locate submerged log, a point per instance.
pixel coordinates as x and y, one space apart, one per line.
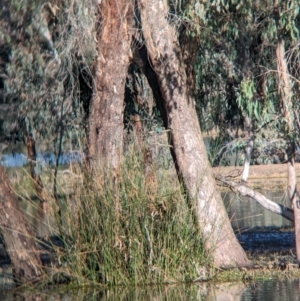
258 197
17 236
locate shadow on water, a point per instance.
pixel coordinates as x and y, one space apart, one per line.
238 291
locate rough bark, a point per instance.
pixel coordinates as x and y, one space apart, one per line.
259 198
191 158
106 111
17 236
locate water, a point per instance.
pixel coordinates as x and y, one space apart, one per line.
274 290
246 214
271 290
44 159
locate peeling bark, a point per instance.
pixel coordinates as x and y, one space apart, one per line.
191 158
106 111
17 236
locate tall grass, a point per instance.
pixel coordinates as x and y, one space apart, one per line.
132 233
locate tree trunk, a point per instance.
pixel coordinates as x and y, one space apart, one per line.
17 236
186 138
31 152
107 107
284 89
294 194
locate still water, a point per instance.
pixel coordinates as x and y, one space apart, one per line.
271 290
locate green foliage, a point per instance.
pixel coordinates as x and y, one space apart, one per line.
246 101
237 65
49 77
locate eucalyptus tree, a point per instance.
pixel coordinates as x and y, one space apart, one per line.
284 20
236 78
256 49
172 77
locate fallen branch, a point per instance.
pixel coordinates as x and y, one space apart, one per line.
258 197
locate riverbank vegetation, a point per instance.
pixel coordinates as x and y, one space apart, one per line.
144 233
106 77
154 242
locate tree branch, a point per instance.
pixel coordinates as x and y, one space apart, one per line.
258 197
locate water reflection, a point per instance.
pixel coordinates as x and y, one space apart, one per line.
271 290
227 291
274 290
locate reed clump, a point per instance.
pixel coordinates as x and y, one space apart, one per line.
130 231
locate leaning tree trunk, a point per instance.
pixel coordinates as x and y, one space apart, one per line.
186 138
107 107
17 236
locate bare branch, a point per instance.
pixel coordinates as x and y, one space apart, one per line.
258 197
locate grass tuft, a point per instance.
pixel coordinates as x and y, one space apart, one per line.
131 233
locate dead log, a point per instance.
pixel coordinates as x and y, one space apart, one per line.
17 236
258 197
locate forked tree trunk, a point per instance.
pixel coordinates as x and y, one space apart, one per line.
107 107
17 236
165 54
